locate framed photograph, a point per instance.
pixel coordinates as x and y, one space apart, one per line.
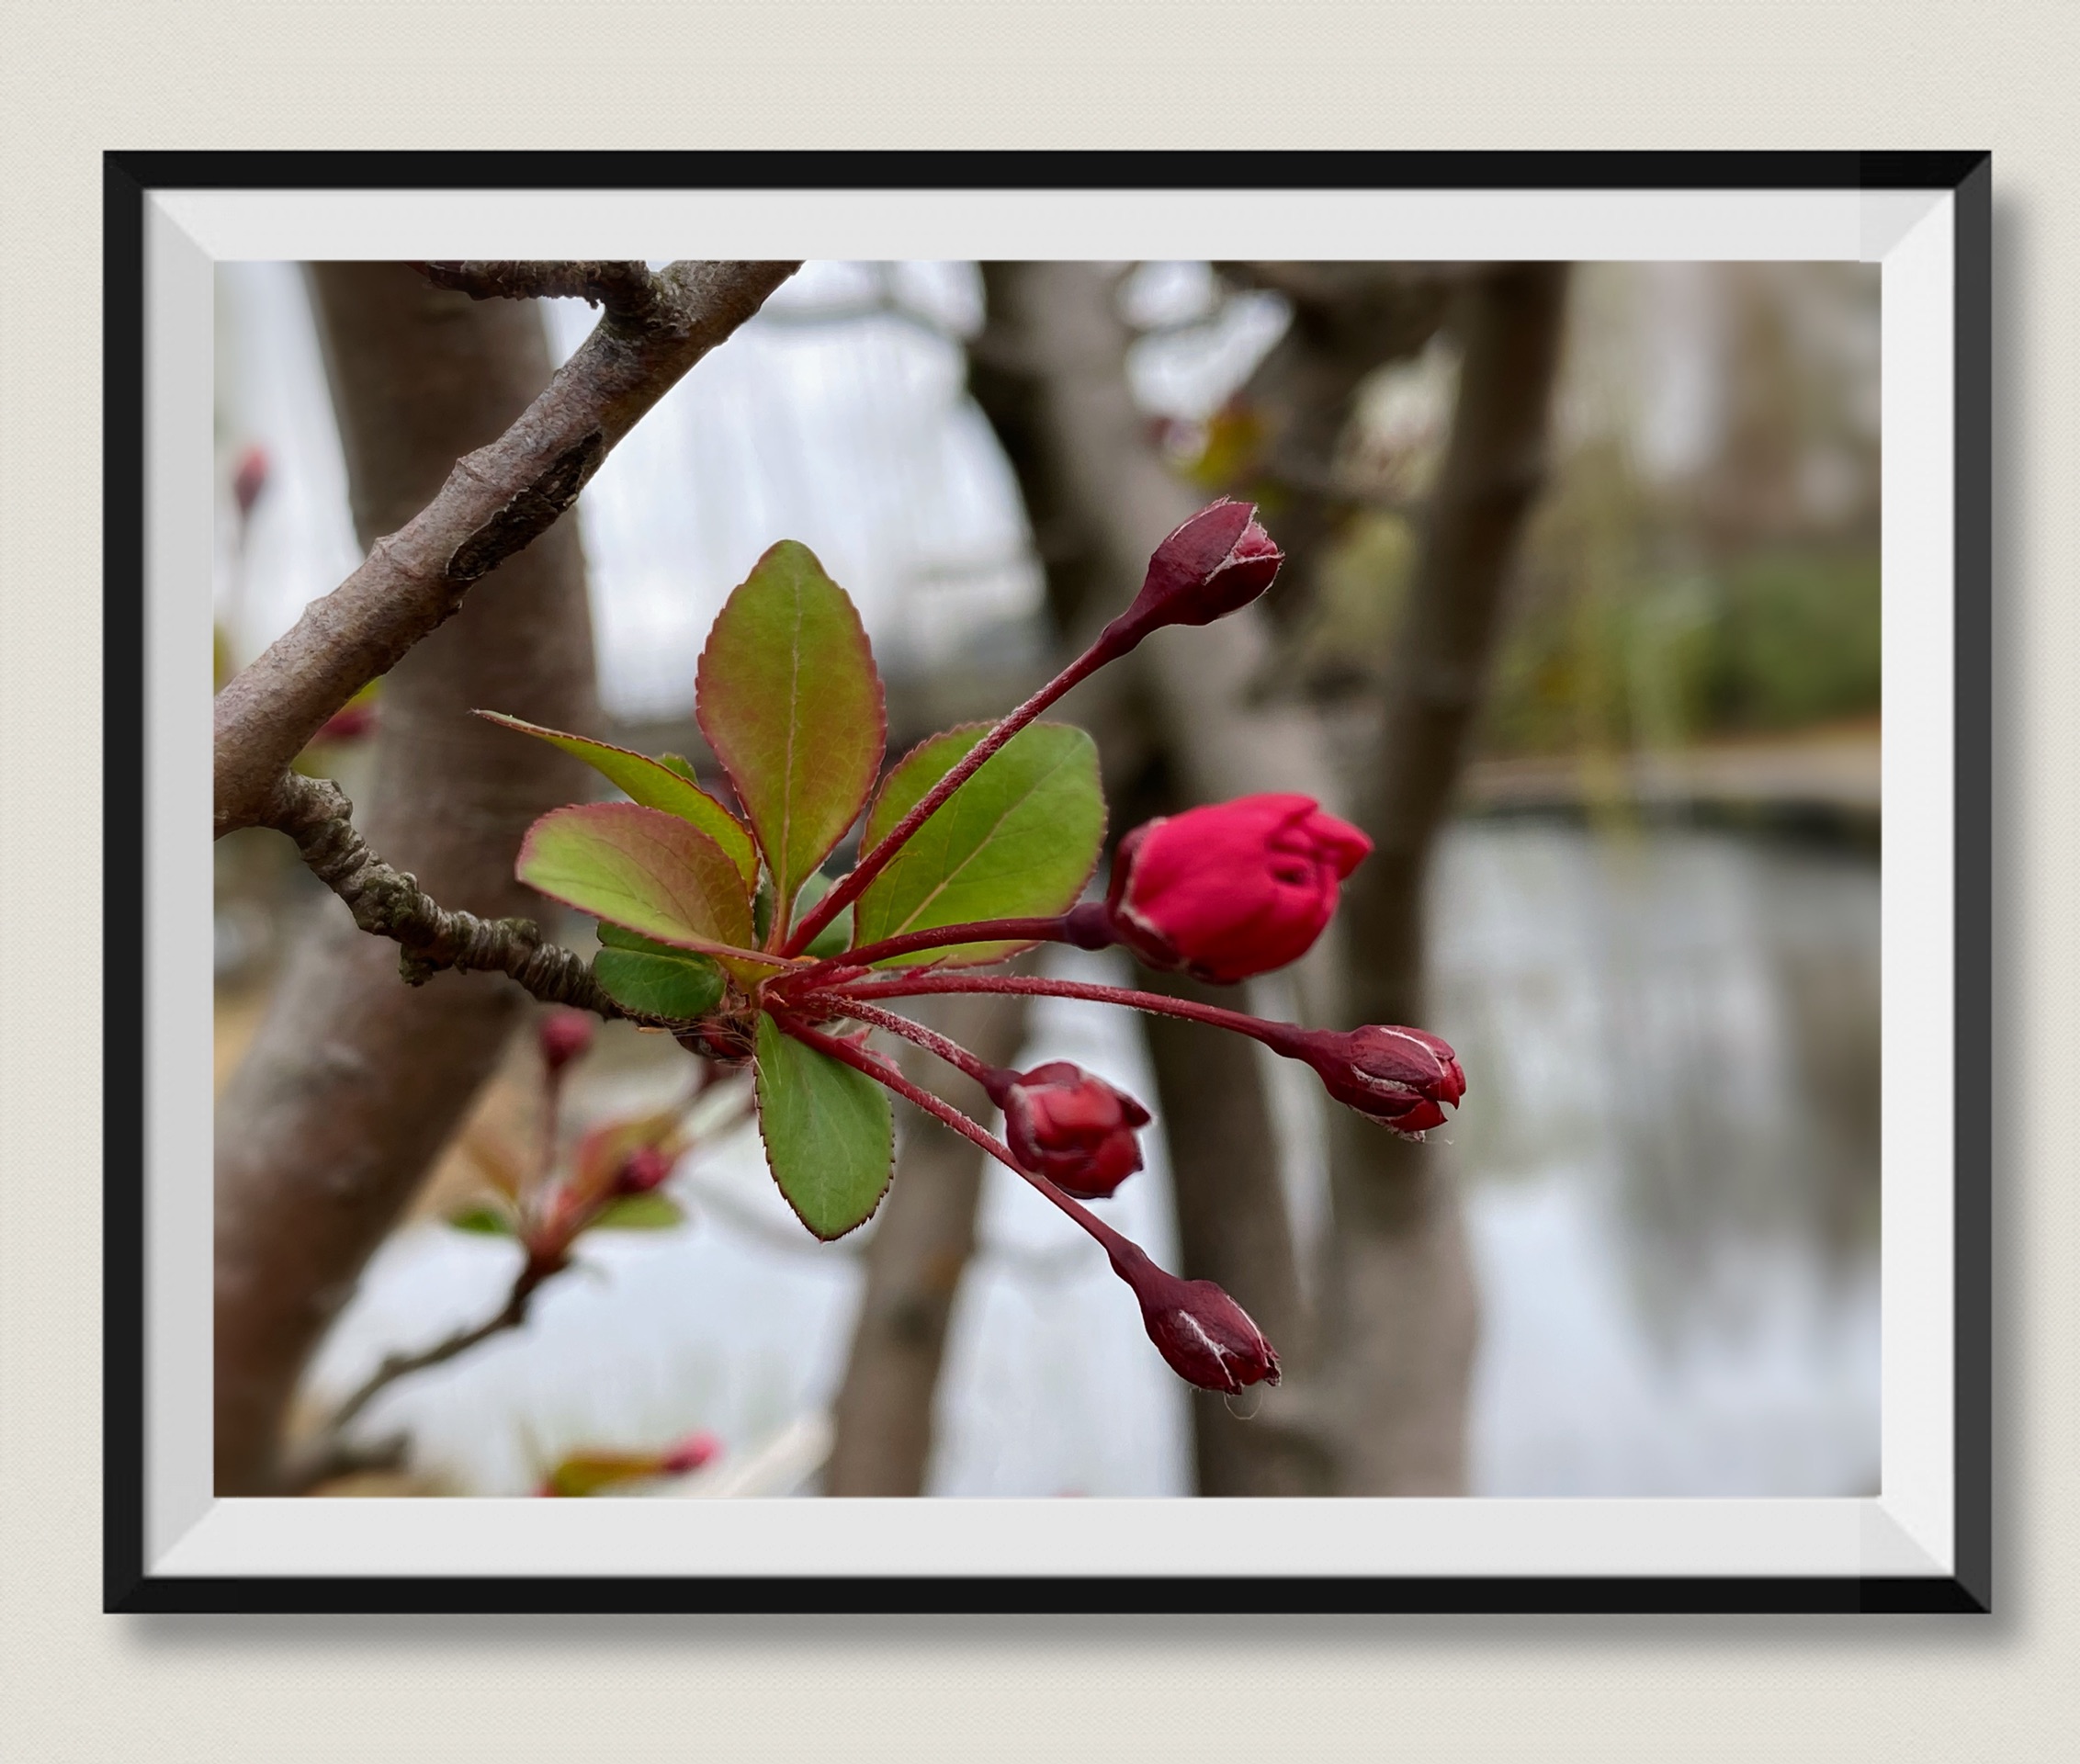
1459 1088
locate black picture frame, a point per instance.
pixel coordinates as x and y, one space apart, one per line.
130 177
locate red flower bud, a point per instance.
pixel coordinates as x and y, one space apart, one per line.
1399 1077
249 478
690 1453
1207 1338
349 723
1072 1128
1218 561
563 1035
642 1169
1233 890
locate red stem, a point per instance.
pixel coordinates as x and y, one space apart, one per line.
931 1040
857 1058
873 863
1275 1035
978 931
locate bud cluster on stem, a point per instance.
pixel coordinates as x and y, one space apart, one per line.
1206 1337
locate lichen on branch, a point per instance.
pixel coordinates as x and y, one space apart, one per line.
386 902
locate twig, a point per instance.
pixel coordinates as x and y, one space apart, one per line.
400 1365
331 1455
316 814
495 501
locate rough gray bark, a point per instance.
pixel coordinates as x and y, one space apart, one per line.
920 1243
1175 724
492 501
1400 1296
356 1081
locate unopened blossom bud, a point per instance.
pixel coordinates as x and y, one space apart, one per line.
1401 1077
1218 561
1072 1128
564 1035
249 478
642 1169
1233 890
349 723
1208 1338
690 1453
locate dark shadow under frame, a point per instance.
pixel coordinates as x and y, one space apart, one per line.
126 1585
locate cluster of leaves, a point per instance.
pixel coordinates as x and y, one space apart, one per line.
701 910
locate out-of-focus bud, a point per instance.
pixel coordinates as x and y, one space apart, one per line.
645 1167
1401 1077
1208 1338
1218 561
1233 890
691 1453
1072 1128
249 478
564 1035
349 723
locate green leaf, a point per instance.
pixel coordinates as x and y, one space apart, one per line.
1018 840
639 1212
791 704
666 784
640 869
484 1219
656 980
830 1134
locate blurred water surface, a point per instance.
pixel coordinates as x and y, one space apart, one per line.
1670 1156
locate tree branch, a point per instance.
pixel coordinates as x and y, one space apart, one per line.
495 501
629 292
386 902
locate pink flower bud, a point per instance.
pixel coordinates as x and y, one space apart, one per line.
690 1453
249 478
1072 1128
1233 890
642 1169
1400 1077
564 1037
1207 1338
349 723
1218 561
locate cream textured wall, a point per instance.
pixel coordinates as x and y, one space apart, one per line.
75 1685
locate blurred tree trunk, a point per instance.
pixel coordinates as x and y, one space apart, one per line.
356 1081
1176 725
1348 321
921 1245
1400 1302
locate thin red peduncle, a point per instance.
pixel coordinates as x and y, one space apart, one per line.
931 1040
1275 1036
979 930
